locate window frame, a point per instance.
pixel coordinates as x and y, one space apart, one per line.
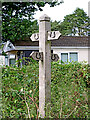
6 60
14 58
69 55
10 61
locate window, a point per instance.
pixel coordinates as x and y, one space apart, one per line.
12 61
6 60
64 57
71 56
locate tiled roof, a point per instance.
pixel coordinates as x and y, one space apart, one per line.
72 41
77 41
26 43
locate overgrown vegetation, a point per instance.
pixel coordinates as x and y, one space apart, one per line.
17 19
69 91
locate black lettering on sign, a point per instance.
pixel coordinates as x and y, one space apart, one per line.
52 34
54 57
38 55
36 36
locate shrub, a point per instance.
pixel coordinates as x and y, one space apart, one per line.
69 90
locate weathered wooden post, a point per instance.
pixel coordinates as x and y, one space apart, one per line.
44 56
45 65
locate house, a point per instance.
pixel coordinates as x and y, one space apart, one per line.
68 48
2 58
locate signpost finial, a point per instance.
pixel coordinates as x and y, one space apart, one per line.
44 18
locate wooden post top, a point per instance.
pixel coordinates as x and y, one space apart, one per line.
44 18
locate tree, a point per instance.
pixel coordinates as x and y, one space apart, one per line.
74 24
18 21
55 25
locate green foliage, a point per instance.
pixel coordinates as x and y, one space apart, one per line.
20 91
73 24
18 21
69 90
55 25
69 83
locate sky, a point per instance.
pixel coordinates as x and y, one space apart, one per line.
66 8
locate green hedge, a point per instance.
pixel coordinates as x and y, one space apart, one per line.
69 90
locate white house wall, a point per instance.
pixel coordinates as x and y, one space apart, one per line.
82 52
12 53
2 60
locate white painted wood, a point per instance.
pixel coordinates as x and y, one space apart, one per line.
2 60
54 57
35 37
52 35
8 46
37 55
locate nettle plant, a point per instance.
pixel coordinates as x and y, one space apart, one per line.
69 90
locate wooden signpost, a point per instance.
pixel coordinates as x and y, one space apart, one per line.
44 56
39 56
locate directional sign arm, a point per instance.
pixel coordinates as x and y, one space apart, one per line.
52 35
35 37
54 57
37 55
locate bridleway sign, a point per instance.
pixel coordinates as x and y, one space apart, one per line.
39 56
45 57
53 35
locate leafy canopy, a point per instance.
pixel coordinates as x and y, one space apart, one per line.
18 21
73 24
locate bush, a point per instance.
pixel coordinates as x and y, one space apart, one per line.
69 90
